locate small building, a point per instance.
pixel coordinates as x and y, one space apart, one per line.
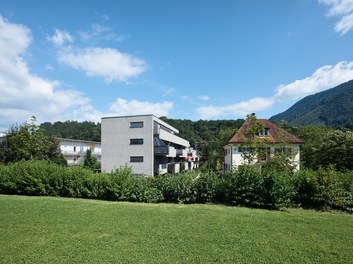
145 143
74 151
273 139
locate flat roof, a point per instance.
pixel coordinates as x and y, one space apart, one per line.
79 140
151 115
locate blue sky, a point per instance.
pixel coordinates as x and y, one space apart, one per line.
82 60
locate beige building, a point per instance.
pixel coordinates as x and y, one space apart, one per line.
274 139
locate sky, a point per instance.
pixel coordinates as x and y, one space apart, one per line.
198 59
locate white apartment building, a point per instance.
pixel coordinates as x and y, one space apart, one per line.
147 144
74 151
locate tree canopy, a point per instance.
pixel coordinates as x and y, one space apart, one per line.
28 142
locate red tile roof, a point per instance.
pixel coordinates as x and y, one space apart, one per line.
276 134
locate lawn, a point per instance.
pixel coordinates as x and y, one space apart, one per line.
64 230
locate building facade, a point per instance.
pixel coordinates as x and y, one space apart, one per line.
147 144
272 139
74 151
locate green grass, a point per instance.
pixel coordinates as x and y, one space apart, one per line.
64 230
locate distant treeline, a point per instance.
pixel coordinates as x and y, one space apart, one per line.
85 130
197 132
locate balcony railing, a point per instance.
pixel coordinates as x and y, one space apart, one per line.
167 151
171 152
71 152
182 153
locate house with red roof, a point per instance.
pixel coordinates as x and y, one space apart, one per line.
270 137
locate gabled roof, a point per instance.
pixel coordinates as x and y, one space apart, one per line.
276 134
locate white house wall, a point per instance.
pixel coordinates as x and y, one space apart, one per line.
234 158
296 150
74 151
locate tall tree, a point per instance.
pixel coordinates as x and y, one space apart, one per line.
252 145
90 162
26 142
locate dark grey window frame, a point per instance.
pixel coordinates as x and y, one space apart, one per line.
135 159
136 141
136 124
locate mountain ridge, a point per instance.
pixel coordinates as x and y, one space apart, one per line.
333 107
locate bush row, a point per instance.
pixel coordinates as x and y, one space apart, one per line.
324 188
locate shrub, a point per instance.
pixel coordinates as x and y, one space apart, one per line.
121 184
244 187
28 177
324 188
145 191
207 187
278 190
177 188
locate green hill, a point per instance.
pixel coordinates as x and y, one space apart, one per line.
333 107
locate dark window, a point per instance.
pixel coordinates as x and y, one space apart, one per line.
264 133
136 158
136 141
136 124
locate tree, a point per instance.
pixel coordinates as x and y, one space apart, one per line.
90 162
27 142
314 136
336 150
252 145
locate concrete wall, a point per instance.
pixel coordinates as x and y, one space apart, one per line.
116 148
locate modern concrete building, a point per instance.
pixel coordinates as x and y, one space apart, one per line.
147 144
74 151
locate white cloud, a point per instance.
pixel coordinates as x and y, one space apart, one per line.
23 94
48 67
322 79
343 9
238 109
99 32
110 64
204 97
134 107
14 39
61 37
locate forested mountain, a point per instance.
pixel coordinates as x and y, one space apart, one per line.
333 107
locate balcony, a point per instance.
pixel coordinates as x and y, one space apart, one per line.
169 137
166 151
162 168
182 153
160 150
171 152
174 167
79 152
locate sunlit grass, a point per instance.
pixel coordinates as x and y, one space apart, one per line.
63 230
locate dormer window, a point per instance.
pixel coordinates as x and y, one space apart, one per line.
264 133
